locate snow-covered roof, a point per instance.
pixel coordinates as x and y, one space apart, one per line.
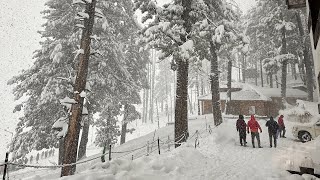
276 92
246 95
250 92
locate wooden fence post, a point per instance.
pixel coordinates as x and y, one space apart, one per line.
5 166
110 152
159 145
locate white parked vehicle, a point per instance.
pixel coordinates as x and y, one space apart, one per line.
306 132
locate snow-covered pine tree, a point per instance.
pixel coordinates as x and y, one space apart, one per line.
122 63
79 90
216 27
170 32
42 83
115 58
307 58
107 126
129 114
271 66
270 27
163 85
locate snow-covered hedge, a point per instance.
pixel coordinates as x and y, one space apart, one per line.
302 112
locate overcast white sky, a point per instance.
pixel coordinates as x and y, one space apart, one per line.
19 22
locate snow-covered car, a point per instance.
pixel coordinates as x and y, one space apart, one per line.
306 132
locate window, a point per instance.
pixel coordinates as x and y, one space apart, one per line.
296 3
252 110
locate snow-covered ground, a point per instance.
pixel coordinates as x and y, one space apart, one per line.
218 156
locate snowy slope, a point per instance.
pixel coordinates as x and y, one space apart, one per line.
219 156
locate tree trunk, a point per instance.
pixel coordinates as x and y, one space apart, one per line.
72 137
190 102
84 138
167 99
256 77
123 132
306 58
198 94
144 106
61 150
103 159
215 85
277 83
271 80
109 136
302 72
227 104
147 95
124 124
294 71
261 73
158 119
181 108
244 66
284 62
152 86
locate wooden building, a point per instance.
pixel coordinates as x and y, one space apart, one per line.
252 100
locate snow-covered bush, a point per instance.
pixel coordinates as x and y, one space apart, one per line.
298 113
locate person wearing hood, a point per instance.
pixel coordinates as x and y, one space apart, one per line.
272 130
241 128
253 127
282 127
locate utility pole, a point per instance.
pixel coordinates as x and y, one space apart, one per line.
72 137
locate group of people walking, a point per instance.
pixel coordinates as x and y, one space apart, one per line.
253 126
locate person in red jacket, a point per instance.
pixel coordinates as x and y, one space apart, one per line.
254 126
282 127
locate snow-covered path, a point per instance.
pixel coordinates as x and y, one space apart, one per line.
218 157
226 159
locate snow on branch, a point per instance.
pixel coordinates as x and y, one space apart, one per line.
284 57
98 13
94 52
56 54
78 2
83 94
83 15
61 125
218 35
287 25
88 87
67 100
95 37
78 52
80 26
186 49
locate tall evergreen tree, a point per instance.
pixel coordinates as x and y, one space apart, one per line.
116 68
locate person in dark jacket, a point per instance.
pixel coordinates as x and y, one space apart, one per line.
272 130
241 128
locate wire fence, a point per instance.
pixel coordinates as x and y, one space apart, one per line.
162 144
